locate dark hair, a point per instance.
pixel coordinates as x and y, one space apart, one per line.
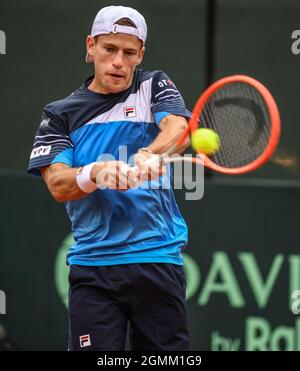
125 22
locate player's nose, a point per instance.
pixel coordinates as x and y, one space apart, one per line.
118 61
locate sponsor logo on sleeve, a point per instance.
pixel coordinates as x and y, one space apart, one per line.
40 151
44 123
163 83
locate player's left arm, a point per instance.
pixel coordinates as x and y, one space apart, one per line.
171 128
170 115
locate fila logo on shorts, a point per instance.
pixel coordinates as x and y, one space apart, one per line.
129 112
85 341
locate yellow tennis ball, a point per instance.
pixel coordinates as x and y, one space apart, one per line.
205 141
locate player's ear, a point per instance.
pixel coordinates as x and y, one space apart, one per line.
90 45
141 55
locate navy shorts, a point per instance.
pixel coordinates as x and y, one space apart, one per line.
149 296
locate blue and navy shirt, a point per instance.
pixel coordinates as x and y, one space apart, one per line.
141 225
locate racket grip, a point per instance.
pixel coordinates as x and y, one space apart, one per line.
134 171
131 171
162 159
124 168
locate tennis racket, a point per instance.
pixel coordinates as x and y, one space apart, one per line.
245 115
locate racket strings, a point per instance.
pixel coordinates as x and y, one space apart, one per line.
239 114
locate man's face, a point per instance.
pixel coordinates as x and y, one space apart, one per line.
115 58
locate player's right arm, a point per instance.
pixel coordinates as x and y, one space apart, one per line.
52 158
61 182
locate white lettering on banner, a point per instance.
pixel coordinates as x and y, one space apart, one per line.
2 42
295 48
295 302
2 302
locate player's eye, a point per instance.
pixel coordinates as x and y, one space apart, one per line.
109 50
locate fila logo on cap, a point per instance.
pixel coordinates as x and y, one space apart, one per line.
129 111
85 341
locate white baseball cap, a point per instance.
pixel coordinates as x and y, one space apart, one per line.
105 23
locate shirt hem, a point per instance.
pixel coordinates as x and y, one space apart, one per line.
122 262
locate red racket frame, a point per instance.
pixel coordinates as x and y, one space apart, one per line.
274 119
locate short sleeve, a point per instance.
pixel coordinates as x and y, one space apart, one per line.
51 144
166 98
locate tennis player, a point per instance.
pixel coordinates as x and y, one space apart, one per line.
126 264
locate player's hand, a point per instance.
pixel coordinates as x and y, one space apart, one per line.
113 175
149 165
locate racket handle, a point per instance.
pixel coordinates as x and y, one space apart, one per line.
133 171
162 159
124 168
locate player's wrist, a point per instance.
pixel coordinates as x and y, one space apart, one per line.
85 179
143 154
146 150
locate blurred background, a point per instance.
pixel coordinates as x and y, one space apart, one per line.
243 259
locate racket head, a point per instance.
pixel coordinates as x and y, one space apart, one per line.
245 101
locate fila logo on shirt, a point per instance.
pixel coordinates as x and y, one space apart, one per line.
85 341
129 111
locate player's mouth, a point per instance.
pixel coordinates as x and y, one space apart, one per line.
116 76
